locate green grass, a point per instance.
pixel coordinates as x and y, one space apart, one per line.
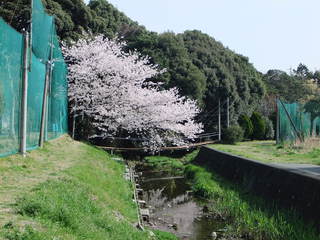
68 190
164 235
268 151
247 215
175 165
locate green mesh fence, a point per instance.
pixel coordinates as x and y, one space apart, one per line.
11 48
42 31
316 127
58 100
295 123
45 48
35 98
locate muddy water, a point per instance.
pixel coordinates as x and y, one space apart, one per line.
172 206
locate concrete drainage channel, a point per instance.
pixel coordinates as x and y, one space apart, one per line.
142 209
167 204
129 175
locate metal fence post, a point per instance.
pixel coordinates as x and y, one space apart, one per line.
24 97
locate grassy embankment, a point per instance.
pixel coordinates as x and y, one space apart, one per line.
68 190
245 215
268 151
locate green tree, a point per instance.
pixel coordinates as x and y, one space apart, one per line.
198 65
269 132
292 88
232 134
246 124
302 71
313 107
259 126
16 13
227 75
107 19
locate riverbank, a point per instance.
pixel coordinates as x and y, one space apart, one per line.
68 190
244 215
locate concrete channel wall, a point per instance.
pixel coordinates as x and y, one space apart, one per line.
288 187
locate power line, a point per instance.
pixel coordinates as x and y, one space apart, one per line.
208 114
216 114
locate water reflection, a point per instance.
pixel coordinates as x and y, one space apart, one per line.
173 208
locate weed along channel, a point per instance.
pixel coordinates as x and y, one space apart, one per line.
179 196
167 204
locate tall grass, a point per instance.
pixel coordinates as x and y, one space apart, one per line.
88 200
247 216
174 165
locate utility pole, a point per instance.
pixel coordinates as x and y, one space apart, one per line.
24 97
228 113
219 121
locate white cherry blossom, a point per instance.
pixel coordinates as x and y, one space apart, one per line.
110 86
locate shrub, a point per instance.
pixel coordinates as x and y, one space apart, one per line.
232 134
269 134
259 126
246 124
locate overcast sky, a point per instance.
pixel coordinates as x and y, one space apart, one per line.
274 34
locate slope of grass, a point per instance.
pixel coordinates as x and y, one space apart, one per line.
246 215
68 190
268 151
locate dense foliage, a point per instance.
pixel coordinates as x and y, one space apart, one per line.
269 131
204 69
259 126
233 134
246 124
198 65
72 18
228 74
300 85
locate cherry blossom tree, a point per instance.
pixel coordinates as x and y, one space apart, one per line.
111 87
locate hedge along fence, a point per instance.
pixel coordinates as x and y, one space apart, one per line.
289 188
45 49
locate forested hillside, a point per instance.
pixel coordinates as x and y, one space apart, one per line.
197 64
300 84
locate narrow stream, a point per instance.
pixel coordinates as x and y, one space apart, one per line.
172 206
